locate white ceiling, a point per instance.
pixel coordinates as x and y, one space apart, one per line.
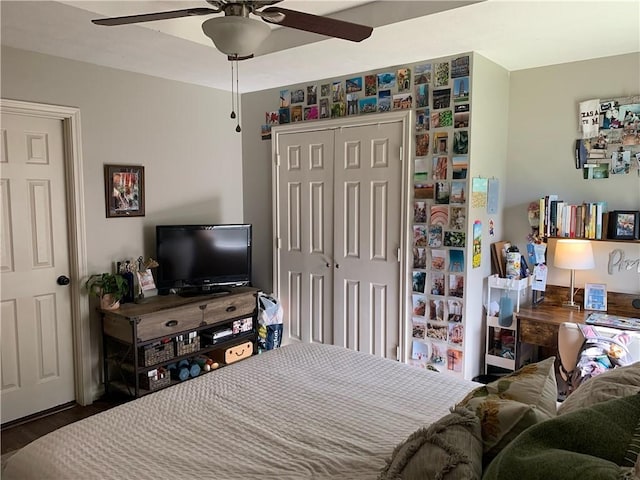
516 34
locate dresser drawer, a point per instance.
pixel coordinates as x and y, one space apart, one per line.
225 308
169 323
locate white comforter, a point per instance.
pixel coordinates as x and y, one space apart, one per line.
301 411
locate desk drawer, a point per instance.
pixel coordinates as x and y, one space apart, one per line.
168 323
225 308
542 334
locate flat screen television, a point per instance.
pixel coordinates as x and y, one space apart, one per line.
201 259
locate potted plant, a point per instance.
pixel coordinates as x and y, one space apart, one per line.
108 287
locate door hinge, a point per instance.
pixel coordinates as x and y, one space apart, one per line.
277 159
398 353
401 153
277 242
398 254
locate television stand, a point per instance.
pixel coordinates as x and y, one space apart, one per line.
196 292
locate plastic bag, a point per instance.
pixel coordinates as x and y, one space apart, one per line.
270 318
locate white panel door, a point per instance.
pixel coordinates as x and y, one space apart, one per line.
367 237
304 228
36 324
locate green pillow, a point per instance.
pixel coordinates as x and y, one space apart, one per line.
592 443
449 449
513 403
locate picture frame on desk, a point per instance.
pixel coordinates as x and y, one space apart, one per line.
623 225
595 297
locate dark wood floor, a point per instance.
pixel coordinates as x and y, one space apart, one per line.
17 435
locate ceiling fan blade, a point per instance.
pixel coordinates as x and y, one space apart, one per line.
322 25
150 17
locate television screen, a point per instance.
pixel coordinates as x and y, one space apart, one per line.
202 257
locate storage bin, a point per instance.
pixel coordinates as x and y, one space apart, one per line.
155 353
233 354
187 346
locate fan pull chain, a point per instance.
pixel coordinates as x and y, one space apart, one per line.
233 113
238 129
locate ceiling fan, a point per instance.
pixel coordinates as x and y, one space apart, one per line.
237 34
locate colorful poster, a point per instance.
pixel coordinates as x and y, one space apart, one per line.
479 187
492 196
477 243
590 118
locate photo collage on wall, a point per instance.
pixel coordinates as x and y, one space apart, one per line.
440 206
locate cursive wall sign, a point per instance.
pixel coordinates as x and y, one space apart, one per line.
619 263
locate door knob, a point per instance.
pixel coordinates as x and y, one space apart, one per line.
63 280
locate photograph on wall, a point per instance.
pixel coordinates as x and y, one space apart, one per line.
386 81
265 132
124 190
422 144
610 115
461 142
419 327
440 164
436 308
630 116
435 119
418 281
352 104
477 244
284 115
402 101
459 166
438 353
441 98
419 305
456 285
460 67
454 360
421 165
324 108
456 260
438 259
424 190
454 310
439 215
454 239
422 95
403 76
419 211
419 257
457 218
595 171
442 193
384 100
420 351
456 333
296 113
368 105
437 331
458 193
445 118
589 118
434 236
311 113
479 189
440 143
461 89
271 118
441 74
285 98
493 196
422 120
354 84
312 94
422 74
297 96
420 177
370 85
338 110
461 116
419 235
337 92
325 89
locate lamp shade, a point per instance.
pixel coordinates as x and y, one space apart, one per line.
574 255
235 35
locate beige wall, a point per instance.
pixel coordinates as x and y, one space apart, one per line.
179 132
543 126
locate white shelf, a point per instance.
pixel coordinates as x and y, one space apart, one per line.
495 323
501 362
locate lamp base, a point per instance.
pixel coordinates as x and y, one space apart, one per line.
571 304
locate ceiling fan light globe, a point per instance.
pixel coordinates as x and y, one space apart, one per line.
236 36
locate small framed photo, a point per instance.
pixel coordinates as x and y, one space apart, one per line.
124 190
595 297
624 225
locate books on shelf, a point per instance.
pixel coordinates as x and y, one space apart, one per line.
559 218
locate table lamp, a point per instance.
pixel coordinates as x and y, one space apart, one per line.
572 254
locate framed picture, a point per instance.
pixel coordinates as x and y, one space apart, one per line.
595 297
124 190
624 225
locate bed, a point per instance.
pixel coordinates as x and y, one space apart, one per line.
301 411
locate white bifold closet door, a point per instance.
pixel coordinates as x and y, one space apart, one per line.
338 214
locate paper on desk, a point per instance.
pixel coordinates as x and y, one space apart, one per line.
539 278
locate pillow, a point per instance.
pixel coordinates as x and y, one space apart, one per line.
449 449
616 383
592 443
512 403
